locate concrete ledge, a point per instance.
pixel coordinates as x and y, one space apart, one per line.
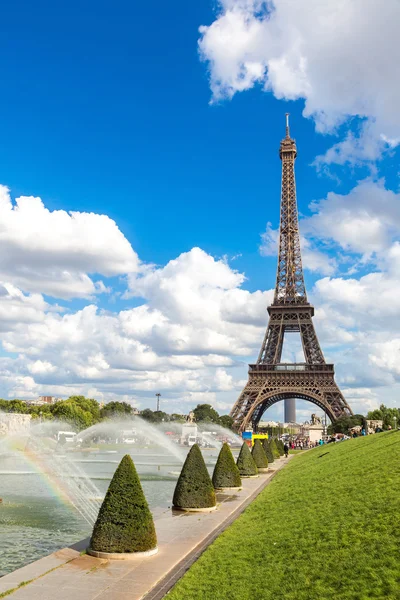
198 510
122 555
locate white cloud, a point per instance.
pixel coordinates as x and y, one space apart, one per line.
365 221
54 252
182 341
339 56
194 347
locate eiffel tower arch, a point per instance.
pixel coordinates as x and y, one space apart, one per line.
270 380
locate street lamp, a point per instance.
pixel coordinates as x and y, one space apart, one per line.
395 421
158 402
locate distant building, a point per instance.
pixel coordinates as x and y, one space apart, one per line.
42 400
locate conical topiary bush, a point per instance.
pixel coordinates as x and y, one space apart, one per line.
245 462
274 449
125 523
260 458
268 451
194 489
226 474
279 445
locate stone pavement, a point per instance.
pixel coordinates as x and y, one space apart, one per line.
182 537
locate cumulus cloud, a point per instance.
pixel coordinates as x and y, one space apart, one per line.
338 56
182 340
364 221
197 327
54 252
191 349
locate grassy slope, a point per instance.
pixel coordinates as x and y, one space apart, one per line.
327 527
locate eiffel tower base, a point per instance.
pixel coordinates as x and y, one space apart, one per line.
269 384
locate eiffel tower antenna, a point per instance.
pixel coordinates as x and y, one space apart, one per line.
270 380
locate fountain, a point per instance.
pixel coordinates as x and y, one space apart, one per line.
53 481
39 448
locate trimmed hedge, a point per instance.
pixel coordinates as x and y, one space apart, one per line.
194 488
260 458
274 448
280 447
226 474
245 462
268 451
125 523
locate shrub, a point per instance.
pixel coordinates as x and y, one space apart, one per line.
226 474
280 447
274 448
268 451
245 462
125 523
194 488
260 458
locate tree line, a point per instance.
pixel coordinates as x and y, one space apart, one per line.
80 412
390 418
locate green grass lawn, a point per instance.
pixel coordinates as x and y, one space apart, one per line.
327 527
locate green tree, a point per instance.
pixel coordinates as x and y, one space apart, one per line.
260 458
40 412
14 406
245 462
343 424
279 445
177 418
194 488
226 473
268 451
116 410
88 405
226 421
148 415
274 448
72 414
125 523
385 414
206 413
156 416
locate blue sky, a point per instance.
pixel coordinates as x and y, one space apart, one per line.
118 111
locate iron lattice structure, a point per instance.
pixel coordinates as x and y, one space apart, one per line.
270 380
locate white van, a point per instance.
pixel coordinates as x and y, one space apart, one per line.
69 436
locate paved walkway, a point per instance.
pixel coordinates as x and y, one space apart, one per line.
182 537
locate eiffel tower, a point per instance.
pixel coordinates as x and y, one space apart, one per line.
270 380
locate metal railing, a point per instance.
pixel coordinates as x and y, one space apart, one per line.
292 367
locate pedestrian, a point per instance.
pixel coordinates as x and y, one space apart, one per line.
286 449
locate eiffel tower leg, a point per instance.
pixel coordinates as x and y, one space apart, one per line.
271 350
245 402
337 403
312 349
